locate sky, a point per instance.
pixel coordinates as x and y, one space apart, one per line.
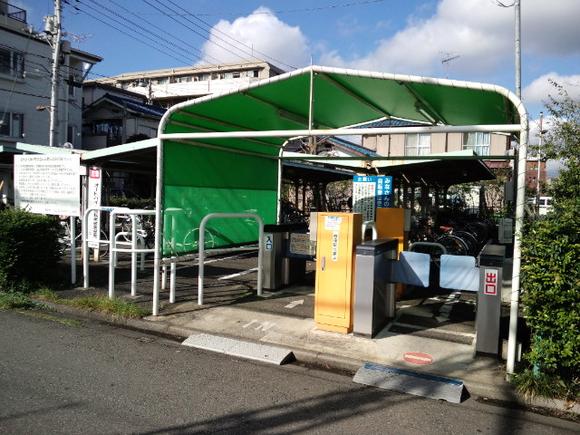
459 39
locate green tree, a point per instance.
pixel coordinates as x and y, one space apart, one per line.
551 264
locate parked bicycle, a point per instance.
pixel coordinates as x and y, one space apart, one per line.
65 238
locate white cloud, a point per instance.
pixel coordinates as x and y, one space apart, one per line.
479 31
262 33
540 89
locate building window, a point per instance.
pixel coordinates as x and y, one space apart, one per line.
236 75
478 142
11 124
418 144
71 85
71 134
11 63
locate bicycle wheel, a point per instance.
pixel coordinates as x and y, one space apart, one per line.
469 240
453 244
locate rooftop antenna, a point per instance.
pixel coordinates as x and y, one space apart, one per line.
446 59
79 38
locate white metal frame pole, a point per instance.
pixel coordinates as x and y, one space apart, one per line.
73 250
112 254
158 218
279 188
85 250
517 260
134 255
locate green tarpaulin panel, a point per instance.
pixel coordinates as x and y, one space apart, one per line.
199 181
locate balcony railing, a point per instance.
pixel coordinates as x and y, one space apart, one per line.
12 11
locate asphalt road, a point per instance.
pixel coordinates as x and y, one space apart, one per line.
61 376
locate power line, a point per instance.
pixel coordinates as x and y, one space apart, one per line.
123 32
152 36
185 43
192 29
62 75
217 32
25 93
289 11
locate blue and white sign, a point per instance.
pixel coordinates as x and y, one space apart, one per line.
370 192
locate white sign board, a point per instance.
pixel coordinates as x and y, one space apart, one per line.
370 192
94 200
48 184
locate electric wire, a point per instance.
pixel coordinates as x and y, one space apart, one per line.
182 41
124 32
290 11
194 30
152 36
216 32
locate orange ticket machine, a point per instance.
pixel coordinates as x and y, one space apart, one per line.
337 237
394 223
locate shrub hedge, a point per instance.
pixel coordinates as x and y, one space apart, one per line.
29 250
551 297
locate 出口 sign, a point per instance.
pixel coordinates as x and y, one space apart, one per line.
47 184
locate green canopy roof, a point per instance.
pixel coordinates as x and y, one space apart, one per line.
321 99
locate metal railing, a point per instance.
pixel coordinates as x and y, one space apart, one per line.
12 11
133 249
201 245
113 248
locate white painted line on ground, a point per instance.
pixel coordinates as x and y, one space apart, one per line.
230 257
249 323
261 326
443 331
294 304
234 275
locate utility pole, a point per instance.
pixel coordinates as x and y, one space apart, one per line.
539 162
519 183
56 33
518 53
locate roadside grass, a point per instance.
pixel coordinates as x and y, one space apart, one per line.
16 300
98 303
103 304
531 384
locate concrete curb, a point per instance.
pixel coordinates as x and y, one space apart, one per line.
325 361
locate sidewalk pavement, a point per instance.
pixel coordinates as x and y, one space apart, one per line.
285 319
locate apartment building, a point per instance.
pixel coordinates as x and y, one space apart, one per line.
25 83
422 144
169 86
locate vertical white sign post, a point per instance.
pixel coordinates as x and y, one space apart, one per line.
94 200
49 184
